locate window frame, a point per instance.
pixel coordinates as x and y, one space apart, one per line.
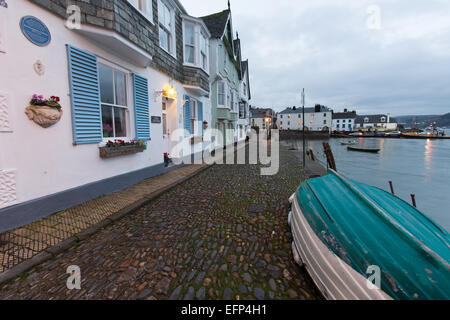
147 15
128 93
185 44
201 59
172 32
219 93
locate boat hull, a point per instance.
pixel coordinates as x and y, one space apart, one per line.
335 279
363 150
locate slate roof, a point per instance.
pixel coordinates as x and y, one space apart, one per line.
307 110
344 115
261 113
375 118
216 23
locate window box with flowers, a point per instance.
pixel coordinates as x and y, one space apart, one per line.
118 148
44 112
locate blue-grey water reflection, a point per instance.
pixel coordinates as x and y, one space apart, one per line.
420 167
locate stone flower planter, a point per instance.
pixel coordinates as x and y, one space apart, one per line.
108 152
44 116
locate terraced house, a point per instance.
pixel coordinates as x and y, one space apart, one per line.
225 76
127 78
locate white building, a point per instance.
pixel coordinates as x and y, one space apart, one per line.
243 123
113 83
378 122
318 118
344 121
262 118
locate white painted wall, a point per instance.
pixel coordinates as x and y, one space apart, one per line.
313 121
349 124
44 160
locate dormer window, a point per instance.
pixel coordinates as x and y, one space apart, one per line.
383 119
366 120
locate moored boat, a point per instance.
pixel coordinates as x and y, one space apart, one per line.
348 143
373 150
343 230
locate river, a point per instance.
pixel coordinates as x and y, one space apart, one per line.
420 167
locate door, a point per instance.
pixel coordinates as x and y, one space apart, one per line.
165 125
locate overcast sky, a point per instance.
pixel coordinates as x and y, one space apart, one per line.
342 54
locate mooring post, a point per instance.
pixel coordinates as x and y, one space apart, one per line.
311 153
413 198
392 187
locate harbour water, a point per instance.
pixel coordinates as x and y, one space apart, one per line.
420 167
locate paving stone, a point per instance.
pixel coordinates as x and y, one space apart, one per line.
273 284
228 294
201 294
259 293
246 277
176 293
190 294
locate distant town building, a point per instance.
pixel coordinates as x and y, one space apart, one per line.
243 124
344 121
318 118
379 122
262 118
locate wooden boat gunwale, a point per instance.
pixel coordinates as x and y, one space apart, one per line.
372 150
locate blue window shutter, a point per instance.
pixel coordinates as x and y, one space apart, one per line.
85 96
141 108
200 118
187 114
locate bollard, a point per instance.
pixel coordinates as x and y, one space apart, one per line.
413 198
392 187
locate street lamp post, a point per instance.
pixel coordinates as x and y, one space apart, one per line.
304 140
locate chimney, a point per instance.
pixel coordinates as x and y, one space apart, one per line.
388 118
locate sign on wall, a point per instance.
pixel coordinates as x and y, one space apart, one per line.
156 119
35 31
3 4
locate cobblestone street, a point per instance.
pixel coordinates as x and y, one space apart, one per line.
221 235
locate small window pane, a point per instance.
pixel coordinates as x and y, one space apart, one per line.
221 95
120 123
106 84
163 39
107 118
190 54
190 38
121 90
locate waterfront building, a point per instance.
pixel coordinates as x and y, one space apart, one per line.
262 118
245 97
133 70
344 121
318 118
378 122
224 77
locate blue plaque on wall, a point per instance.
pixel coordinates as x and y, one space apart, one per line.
35 31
